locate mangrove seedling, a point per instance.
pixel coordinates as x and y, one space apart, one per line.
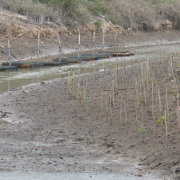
73 82
162 112
142 130
163 118
140 99
169 75
87 99
158 121
99 107
80 96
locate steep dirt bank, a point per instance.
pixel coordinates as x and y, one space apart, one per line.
23 48
23 32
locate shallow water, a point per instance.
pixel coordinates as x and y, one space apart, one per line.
69 176
13 79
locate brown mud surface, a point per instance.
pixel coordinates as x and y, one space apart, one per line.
26 48
74 125
53 127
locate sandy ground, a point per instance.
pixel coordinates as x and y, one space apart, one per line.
50 130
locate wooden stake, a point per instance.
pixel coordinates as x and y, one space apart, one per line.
165 122
9 51
60 49
79 41
167 106
94 35
39 34
103 39
159 97
152 98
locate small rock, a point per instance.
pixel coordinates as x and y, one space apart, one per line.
79 139
107 152
177 170
3 114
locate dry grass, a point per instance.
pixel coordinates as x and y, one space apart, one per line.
138 15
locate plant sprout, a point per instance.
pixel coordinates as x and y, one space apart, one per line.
158 121
163 118
143 130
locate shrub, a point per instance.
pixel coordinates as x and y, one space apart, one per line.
97 23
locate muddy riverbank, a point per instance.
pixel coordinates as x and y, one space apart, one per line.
46 129
45 126
26 48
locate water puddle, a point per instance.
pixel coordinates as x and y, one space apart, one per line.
14 79
70 176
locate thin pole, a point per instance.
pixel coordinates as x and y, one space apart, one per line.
79 41
9 51
115 40
103 39
94 35
60 49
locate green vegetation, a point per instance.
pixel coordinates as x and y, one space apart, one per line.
138 15
162 119
142 130
98 24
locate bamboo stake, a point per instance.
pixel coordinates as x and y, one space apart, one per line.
178 115
166 127
94 35
120 114
152 98
137 102
167 106
84 97
125 110
103 39
79 41
39 43
60 49
159 97
9 50
115 38
39 35
142 75
110 108
113 93
68 81
156 97
106 103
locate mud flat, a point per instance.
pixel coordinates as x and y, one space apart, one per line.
97 122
